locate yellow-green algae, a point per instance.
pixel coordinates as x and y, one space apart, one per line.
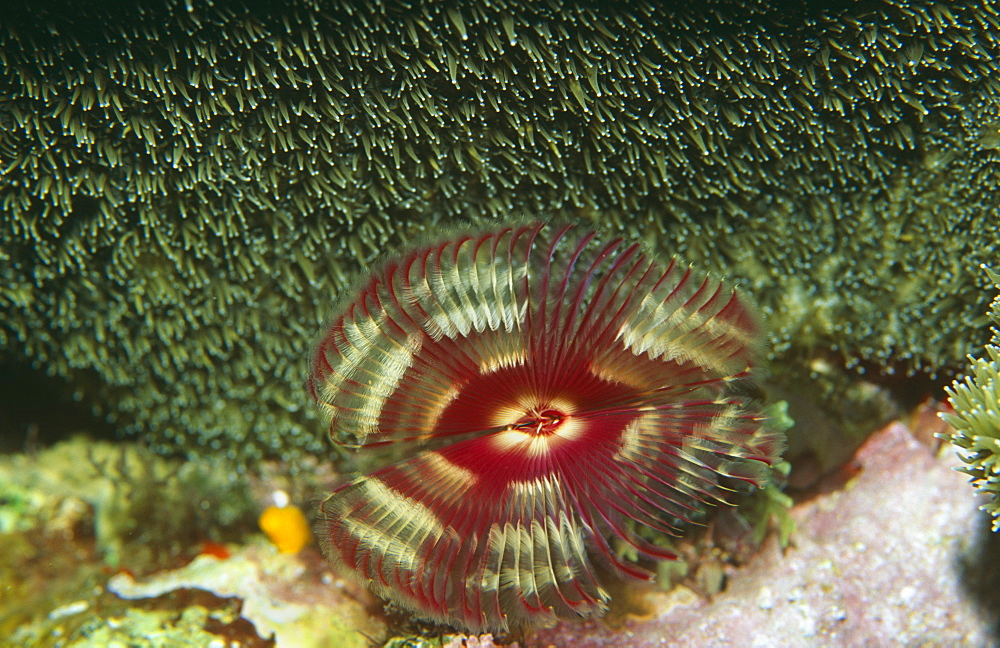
186 187
143 509
81 511
151 629
72 513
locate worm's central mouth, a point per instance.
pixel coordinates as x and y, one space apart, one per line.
540 421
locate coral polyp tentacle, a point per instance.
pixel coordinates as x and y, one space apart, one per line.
561 390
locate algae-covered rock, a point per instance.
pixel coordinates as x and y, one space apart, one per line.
151 629
141 506
73 514
290 598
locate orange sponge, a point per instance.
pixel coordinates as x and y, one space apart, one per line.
287 528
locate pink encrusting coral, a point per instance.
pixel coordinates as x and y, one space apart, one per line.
557 389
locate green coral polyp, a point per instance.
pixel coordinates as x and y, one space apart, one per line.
976 421
182 185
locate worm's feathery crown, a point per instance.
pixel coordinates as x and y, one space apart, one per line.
564 386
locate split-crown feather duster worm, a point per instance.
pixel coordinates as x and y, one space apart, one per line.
560 390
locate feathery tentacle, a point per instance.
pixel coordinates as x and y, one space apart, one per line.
560 389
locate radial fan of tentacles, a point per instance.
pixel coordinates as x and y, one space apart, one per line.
557 390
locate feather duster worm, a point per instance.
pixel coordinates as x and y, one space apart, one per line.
560 390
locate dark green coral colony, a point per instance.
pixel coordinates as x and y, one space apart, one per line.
186 187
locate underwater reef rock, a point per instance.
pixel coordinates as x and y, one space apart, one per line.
287 597
475 641
113 488
898 557
183 186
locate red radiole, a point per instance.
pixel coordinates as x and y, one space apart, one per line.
557 390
